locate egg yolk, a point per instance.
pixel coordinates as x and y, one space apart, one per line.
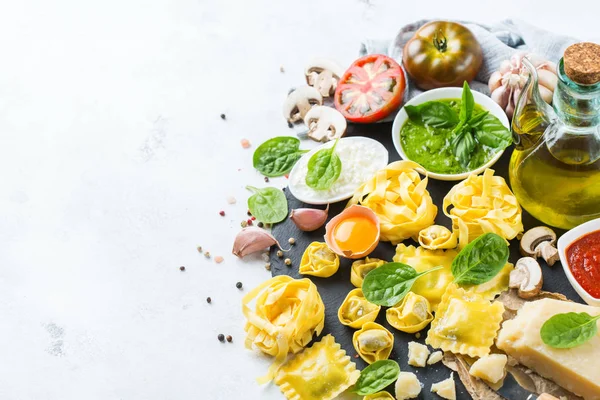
355 234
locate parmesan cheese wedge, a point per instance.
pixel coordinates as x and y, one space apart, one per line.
407 386
490 368
417 354
576 369
446 388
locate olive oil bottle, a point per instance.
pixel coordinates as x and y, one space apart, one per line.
555 168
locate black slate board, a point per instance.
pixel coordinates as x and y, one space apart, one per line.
333 290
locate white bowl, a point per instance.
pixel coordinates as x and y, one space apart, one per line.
449 93
563 243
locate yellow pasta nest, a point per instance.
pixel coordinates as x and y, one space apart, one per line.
437 237
411 315
465 323
319 260
356 311
360 268
482 204
287 313
400 200
373 342
320 372
433 285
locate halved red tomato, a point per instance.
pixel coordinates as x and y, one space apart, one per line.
370 89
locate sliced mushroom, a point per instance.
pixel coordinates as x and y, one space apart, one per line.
527 277
539 242
325 123
300 101
323 74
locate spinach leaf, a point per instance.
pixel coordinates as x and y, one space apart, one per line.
463 146
388 284
481 260
277 156
468 103
492 133
324 168
268 205
376 376
564 331
433 113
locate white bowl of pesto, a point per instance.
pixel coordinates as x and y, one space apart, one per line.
432 147
361 158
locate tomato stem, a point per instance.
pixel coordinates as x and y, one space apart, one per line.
440 42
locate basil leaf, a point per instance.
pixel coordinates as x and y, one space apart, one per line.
463 146
268 205
468 103
492 133
481 260
376 377
277 156
564 331
324 168
476 120
388 284
433 113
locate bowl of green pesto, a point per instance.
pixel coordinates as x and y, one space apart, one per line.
451 132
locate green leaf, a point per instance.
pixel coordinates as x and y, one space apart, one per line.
433 113
268 205
468 103
492 133
564 331
481 260
324 168
277 156
388 284
376 377
463 146
476 120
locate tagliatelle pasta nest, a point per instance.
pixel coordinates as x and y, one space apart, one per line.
482 204
287 313
400 199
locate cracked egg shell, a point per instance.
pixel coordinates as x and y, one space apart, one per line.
354 233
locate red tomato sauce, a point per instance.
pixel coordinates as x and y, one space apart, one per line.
583 256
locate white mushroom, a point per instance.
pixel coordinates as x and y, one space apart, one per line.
527 277
325 123
300 101
323 74
539 242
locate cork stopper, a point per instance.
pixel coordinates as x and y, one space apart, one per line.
582 63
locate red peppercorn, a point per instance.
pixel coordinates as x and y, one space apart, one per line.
222 213
253 218
249 221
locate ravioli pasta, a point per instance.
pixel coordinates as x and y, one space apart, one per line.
287 313
437 237
433 285
373 342
482 204
320 372
465 323
355 311
411 315
379 396
400 199
497 285
319 260
360 268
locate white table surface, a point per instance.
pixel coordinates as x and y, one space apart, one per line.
116 163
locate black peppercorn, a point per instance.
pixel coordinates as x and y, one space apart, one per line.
208 300
221 337
238 285
223 116
266 179
182 268
260 224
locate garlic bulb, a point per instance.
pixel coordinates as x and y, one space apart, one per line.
506 84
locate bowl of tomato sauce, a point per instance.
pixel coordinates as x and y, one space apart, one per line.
579 251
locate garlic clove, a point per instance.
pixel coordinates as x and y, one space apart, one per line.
547 79
309 219
252 239
546 94
500 96
495 81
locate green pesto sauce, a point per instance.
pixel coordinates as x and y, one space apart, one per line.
431 148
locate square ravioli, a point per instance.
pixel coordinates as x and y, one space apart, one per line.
320 372
465 323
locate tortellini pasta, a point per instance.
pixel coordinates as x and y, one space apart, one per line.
320 372
411 315
360 268
465 323
399 197
379 396
373 342
433 285
287 313
355 311
437 237
482 204
319 260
